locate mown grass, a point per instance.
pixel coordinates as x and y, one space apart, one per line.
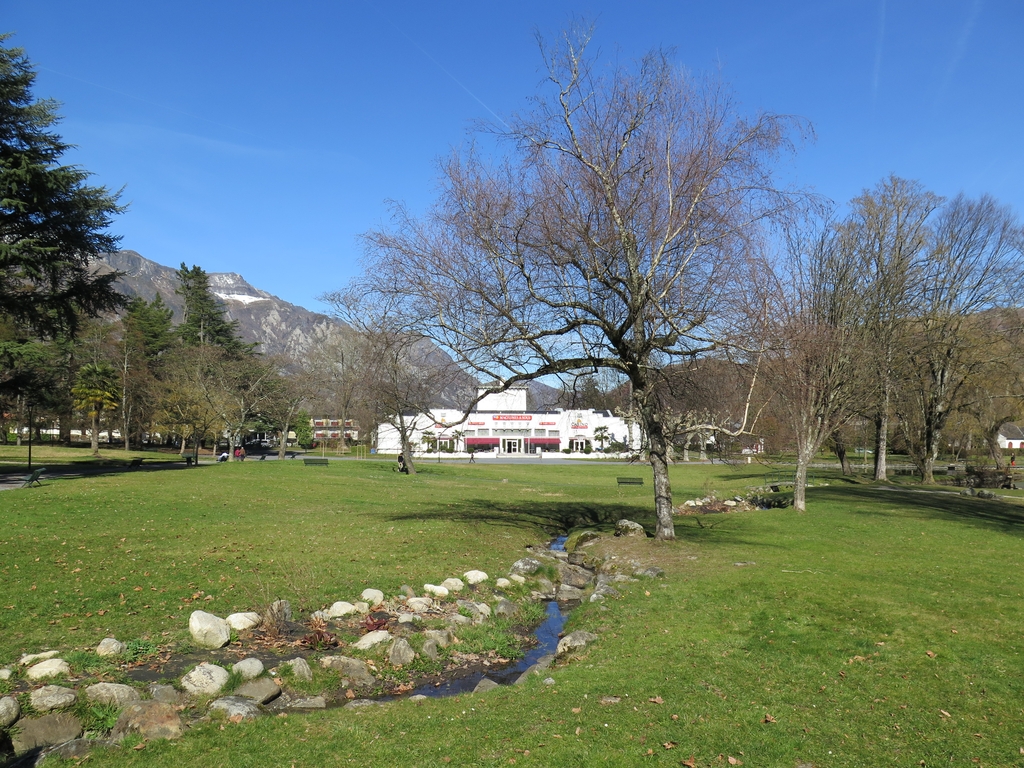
883 627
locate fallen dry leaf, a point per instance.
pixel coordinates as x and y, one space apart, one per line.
944 713
577 710
669 745
734 761
930 654
768 718
675 717
579 731
650 751
350 694
139 746
235 719
689 763
656 700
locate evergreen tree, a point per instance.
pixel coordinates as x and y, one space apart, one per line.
51 221
204 321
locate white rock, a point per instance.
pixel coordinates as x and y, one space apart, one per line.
575 641
475 577
372 596
110 646
205 680
112 693
48 668
321 615
453 584
209 631
242 621
32 658
10 711
409 618
340 608
248 668
483 608
435 590
361 607
502 583
401 653
517 578
419 604
370 639
51 697
237 707
6 673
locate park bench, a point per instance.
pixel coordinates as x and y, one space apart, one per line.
263 457
33 479
315 462
135 463
629 480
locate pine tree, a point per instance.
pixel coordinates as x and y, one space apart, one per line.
204 321
52 222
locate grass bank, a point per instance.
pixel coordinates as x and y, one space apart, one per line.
883 627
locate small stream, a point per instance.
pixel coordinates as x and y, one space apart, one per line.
547 641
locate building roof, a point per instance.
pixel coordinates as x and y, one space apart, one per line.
1011 431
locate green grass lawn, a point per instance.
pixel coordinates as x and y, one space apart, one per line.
883 627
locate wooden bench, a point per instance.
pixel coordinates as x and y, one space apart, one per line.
135 463
33 479
315 462
629 480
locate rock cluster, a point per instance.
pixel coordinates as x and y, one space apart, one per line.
563 575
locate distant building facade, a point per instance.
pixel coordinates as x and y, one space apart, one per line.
502 424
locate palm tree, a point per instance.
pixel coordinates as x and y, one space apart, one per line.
95 392
601 436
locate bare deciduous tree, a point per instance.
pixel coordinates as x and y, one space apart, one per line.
971 278
620 233
816 360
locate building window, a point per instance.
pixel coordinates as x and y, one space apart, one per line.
469 433
483 432
540 433
552 433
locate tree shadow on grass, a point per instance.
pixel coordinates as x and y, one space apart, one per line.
933 504
551 518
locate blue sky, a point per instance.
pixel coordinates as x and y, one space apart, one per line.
263 138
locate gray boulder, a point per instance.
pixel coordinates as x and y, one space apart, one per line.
579 538
574 576
485 684
236 707
148 719
300 668
248 668
527 566
110 646
209 631
505 608
46 731
401 653
112 693
10 711
261 690
372 596
567 594
356 671
443 637
166 694
243 621
574 641
308 702
371 639
33 658
51 697
430 649
279 612
205 680
629 528
339 609
48 668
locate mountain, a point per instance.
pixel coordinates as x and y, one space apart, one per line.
278 327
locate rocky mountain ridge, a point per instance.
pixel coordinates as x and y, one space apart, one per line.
279 327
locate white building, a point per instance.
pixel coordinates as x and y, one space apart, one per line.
501 423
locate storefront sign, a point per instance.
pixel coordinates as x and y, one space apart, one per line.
515 417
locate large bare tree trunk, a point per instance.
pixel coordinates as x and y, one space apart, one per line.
803 459
881 443
94 437
658 456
